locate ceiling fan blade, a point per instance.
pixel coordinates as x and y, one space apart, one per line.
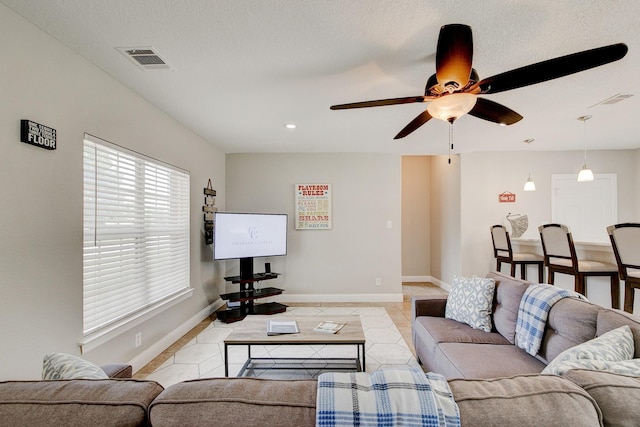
494 112
550 69
454 55
382 102
421 119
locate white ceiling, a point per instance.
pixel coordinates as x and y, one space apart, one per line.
242 69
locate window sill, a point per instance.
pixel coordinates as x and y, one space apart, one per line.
98 338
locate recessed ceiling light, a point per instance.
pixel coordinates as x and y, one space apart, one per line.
290 126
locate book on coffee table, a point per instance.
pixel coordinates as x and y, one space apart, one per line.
277 327
328 327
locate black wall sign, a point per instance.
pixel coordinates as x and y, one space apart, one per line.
36 134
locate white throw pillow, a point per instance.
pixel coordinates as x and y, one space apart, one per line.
471 301
601 353
61 366
624 367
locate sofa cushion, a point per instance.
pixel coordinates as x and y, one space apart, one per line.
470 301
236 401
613 346
61 366
612 319
447 330
570 322
523 401
429 332
507 296
459 360
76 402
617 395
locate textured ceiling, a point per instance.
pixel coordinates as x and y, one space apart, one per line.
242 69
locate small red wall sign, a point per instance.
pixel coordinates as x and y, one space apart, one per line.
507 197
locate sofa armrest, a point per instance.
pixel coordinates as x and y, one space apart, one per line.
428 306
117 370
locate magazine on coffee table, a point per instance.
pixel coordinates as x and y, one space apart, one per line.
328 327
277 327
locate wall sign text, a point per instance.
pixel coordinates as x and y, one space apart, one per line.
36 134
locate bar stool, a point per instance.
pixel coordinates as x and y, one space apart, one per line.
625 239
503 252
560 257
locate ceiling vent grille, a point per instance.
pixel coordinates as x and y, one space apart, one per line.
613 99
146 58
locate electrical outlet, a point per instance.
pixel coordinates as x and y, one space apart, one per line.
138 342
378 281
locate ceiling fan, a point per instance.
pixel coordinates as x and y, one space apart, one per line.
453 90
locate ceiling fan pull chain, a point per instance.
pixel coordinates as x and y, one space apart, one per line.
450 139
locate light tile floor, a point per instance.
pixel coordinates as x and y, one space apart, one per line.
199 353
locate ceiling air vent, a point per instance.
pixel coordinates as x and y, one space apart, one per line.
613 99
144 57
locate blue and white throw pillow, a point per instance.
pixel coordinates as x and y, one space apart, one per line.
471 301
61 366
611 352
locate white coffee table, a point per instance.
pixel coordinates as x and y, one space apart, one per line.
255 333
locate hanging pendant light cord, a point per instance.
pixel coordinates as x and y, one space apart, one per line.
584 119
584 130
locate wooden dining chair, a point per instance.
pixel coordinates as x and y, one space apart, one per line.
560 257
625 239
503 252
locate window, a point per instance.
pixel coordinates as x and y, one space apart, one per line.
136 234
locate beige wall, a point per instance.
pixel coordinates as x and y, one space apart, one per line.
416 222
486 175
340 264
41 196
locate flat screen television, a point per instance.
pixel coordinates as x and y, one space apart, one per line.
245 236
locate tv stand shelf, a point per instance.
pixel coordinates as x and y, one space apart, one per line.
246 297
256 278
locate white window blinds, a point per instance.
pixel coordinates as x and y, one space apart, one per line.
136 233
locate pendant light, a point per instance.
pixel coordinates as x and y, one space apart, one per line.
585 173
529 185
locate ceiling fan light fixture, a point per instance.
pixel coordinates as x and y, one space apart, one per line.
451 107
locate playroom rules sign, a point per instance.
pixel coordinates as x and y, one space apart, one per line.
313 206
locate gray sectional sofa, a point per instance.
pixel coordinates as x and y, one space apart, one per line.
455 350
581 398
493 382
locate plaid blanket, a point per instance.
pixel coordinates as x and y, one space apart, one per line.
388 397
533 312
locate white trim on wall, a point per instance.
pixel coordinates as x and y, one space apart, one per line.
146 356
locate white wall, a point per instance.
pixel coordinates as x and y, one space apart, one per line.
41 196
338 264
486 175
446 258
416 221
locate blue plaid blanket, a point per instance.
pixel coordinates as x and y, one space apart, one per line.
388 397
533 312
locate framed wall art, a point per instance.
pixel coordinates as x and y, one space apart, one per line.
313 206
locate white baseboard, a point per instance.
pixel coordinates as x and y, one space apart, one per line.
413 279
440 283
142 359
319 298
430 279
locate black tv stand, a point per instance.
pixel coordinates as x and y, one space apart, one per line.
246 296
